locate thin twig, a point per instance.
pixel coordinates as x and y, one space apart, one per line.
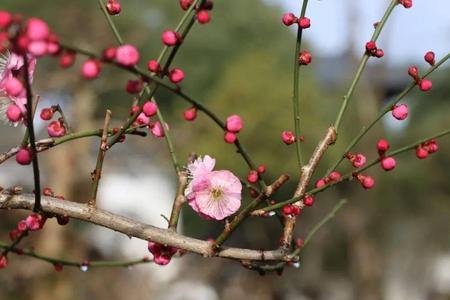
97 174
71 263
110 22
30 128
296 97
362 64
178 202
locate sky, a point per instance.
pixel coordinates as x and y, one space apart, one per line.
408 34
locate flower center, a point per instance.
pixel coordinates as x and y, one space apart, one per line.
216 194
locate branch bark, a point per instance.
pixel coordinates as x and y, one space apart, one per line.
135 229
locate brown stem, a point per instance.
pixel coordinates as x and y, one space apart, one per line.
305 178
134 228
97 174
180 199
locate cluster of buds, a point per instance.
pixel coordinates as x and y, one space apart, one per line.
253 175
149 109
333 177
424 84
33 222
176 75
388 163
233 126
373 50
56 128
162 254
289 19
202 12
426 148
291 210
358 160
113 7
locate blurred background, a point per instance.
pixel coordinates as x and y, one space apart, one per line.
392 242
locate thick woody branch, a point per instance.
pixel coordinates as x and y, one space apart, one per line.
305 178
134 228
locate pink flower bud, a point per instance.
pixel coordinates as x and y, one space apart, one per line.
357 160
382 146
304 22
371 47
5 19
190 114
142 119
46 114
113 7
400 112
388 163
379 53
289 19
14 234
230 137
38 48
170 38
53 48
431 146
13 113
234 123
56 129
36 29
413 71
252 176
261 169
109 54
185 4
154 66
149 108
430 57
305 58
67 59
3 262
134 86
406 3
421 153
203 16
320 183
13 87
367 182
23 156
35 222
176 75
22 226
425 85
288 137
162 254
127 55
308 201
157 130
90 69
334 176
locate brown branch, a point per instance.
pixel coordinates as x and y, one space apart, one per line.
97 174
180 199
305 178
134 228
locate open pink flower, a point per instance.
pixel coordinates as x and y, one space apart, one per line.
213 194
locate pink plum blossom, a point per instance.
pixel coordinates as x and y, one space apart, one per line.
213 194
